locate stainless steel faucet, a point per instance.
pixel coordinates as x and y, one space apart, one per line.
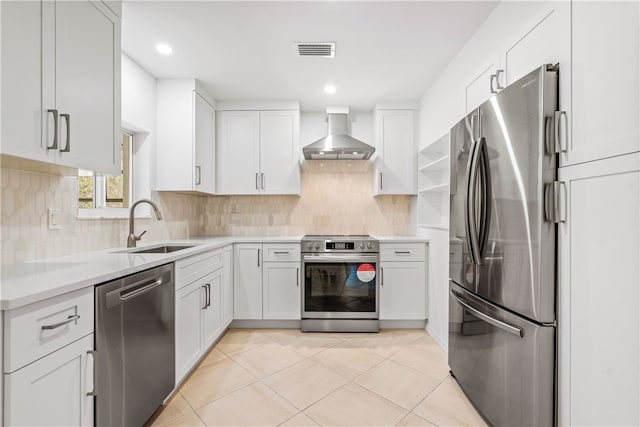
132 239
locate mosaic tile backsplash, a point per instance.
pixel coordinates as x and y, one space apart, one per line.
336 197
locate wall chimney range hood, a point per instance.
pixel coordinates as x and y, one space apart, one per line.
337 145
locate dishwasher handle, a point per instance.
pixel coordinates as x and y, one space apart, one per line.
131 291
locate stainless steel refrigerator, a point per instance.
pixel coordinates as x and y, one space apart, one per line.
502 265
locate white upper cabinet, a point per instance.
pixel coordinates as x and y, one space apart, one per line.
186 137
279 154
61 83
258 152
544 40
606 87
395 152
485 82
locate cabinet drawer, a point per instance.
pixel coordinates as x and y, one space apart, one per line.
38 329
402 252
281 252
191 269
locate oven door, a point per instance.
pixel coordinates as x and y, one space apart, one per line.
340 286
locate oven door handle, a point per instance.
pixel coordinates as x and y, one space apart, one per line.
310 259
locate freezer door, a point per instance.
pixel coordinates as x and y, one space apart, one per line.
504 363
463 137
515 162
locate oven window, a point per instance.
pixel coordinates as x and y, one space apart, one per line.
340 287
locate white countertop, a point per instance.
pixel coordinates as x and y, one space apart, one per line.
29 282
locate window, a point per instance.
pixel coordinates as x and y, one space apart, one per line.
104 193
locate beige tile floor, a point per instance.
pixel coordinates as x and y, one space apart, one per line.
282 377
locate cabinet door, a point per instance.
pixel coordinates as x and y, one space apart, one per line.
547 41
227 286
279 152
598 318
87 85
403 291
480 86
606 88
21 65
212 314
189 304
238 152
52 391
204 135
396 164
247 281
281 290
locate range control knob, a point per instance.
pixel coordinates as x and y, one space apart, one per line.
361 245
369 245
309 245
316 245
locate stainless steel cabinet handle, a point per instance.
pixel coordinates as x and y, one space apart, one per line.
67 146
204 307
262 180
515 330
498 85
403 252
198 175
93 354
257 176
381 276
55 130
492 78
59 324
298 276
258 257
560 119
208 294
380 180
281 252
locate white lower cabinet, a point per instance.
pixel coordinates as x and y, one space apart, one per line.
403 285
598 294
266 281
198 304
247 281
281 290
52 391
227 285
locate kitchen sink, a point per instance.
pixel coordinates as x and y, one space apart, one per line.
164 249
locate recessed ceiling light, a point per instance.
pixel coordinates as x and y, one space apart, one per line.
330 89
164 49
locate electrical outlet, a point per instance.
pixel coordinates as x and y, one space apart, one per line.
53 219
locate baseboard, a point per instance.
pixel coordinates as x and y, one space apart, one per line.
265 324
402 324
437 338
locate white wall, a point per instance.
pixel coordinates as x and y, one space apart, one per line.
442 106
139 115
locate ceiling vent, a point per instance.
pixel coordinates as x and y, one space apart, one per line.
322 49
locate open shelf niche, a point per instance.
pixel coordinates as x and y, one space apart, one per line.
433 184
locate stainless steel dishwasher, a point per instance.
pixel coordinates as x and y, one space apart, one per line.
135 346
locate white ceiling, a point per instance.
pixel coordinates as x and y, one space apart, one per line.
385 50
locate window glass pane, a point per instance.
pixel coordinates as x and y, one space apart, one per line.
107 191
85 189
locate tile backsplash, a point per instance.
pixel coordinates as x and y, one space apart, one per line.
336 198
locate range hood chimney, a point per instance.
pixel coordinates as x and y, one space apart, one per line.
337 145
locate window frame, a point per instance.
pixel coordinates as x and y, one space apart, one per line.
100 189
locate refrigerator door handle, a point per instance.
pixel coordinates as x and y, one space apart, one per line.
515 330
471 201
485 202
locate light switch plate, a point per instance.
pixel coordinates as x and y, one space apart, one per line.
53 219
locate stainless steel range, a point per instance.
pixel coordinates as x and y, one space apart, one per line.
340 292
